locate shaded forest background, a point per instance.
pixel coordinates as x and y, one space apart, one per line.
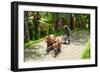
39 24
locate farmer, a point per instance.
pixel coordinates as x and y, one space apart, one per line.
67 33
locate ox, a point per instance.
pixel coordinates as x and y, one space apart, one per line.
53 44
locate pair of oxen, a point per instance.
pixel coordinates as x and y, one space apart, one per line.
53 44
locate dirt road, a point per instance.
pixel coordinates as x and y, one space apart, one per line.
68 51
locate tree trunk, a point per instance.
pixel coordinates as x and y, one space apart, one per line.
36 23
26 29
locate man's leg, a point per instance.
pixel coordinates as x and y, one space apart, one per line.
65 38
68 39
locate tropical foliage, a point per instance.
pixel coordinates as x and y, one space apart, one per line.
39 24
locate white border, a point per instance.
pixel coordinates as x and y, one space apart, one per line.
22 64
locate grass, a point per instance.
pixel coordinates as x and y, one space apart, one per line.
77 30
30 43
86 52
59 33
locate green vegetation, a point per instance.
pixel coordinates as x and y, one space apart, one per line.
86 52
30 43
37 25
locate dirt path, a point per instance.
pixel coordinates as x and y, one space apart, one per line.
68 51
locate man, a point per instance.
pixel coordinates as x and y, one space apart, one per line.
67 33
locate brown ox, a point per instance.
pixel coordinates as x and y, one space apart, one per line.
53 44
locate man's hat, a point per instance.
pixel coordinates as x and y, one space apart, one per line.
65 26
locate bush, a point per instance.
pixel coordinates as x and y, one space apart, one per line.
86 52
31 43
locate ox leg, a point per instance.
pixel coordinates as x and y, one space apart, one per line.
56 52
48 50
